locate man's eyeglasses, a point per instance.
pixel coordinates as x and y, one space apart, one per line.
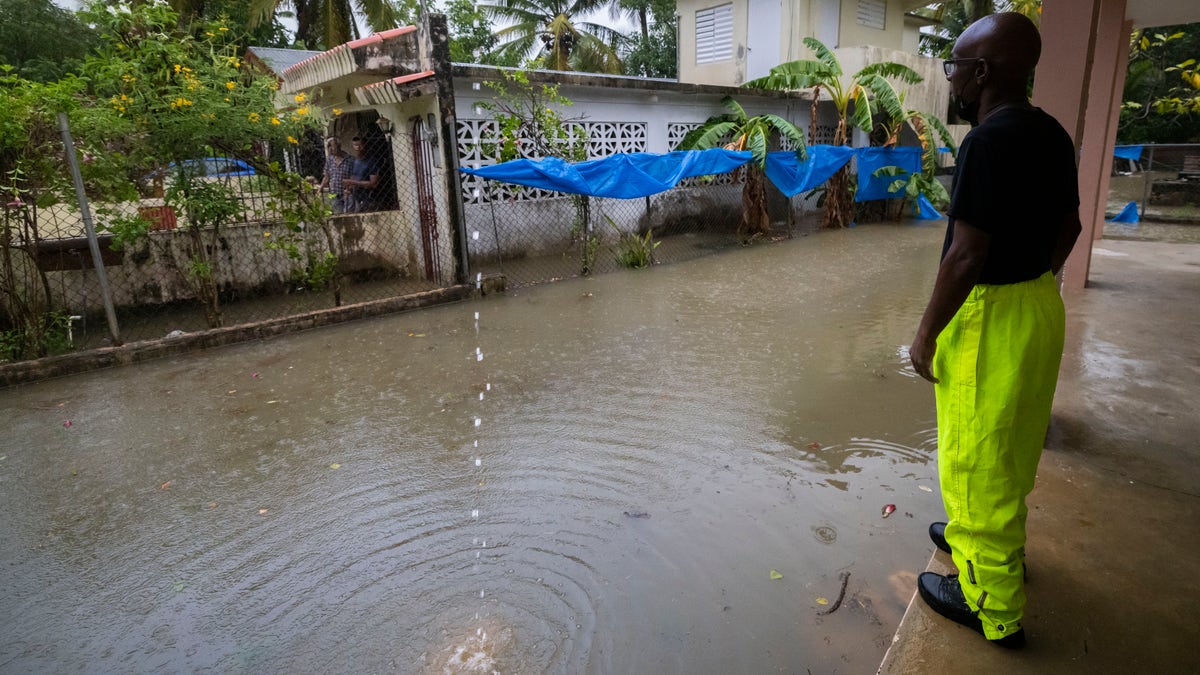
948 65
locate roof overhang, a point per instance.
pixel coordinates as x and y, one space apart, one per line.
387 53
1150 13
397 89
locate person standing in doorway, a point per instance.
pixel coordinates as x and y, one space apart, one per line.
991 337
337 168
363 182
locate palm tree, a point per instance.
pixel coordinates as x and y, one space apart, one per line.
555 25
825 75
325 24
753 134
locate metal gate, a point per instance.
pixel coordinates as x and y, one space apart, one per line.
426 203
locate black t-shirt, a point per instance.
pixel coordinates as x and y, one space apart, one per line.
1015 179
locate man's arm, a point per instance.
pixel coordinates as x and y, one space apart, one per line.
1067 234
957 274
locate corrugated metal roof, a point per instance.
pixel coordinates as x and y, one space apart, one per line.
279 60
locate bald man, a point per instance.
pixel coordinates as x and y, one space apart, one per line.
991 338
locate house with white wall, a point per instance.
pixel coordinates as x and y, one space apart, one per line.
729 42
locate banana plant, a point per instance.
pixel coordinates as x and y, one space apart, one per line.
753 134
824 75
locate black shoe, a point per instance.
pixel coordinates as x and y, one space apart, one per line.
937 532
944 595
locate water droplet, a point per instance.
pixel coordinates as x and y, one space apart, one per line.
475 513
478 421
478 462
475 236
481 594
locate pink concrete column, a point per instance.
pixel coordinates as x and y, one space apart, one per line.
1114 117
1081 45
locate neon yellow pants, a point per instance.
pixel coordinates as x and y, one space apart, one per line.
997 364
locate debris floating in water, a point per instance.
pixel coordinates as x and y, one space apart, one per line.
841 595
925 488
67 424
814 446
888 509
775 575
637 514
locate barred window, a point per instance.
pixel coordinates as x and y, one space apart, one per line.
714 34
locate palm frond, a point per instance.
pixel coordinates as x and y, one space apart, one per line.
861 117
789 131
943 133
800 74
735 108
824 55
895 71
886 99
708 135
381 15
756 142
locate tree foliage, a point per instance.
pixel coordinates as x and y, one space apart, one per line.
736 130
549 33
652 52
1161 99
868 90
41 41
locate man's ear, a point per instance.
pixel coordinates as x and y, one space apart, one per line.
982 70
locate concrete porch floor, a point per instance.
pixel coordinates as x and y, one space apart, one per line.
1114 520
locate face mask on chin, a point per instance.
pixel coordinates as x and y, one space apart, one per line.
967 111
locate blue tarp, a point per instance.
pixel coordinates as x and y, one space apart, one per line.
872 159
624 176
1129 214
923 209
1133 152
629 176
792 176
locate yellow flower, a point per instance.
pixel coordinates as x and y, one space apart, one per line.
266 234
178 68
275 121
293 141
253 117
209 33
337 111
230 85
300 98
222 29
302 111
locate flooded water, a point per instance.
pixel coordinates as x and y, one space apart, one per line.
658 471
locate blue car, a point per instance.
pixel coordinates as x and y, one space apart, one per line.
206 167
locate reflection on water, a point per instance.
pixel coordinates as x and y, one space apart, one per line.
595 476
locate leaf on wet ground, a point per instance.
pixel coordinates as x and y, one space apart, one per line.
67 423
775 575
925 488
335 466
814 446
416 335
822 601
166 485
888 509
263 512
179 586
212 505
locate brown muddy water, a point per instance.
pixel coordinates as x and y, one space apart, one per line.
596 476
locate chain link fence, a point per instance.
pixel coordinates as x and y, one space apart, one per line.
530 235
1163 179
173 266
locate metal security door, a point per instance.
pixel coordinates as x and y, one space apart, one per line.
426 202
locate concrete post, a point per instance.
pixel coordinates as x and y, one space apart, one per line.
1076 84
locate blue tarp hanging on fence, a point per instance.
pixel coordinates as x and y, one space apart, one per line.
792 176
624 176
1133 152
1129 214
872 159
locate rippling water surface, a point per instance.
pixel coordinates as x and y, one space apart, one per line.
649 447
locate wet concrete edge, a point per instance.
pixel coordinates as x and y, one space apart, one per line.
24 372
